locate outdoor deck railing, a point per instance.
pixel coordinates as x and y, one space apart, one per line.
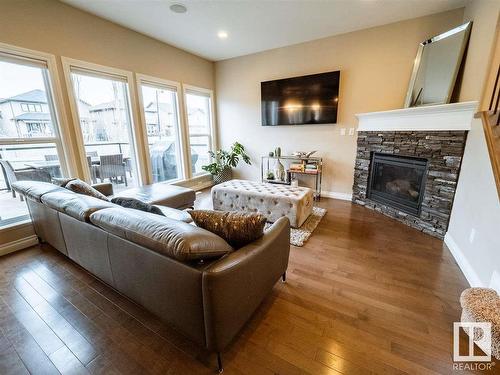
37 153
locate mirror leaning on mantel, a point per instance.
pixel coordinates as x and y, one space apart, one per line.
436 67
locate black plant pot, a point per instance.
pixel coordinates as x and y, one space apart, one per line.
225 175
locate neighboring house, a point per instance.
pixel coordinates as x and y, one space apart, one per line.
86 123
160 120
25 115
109 122
197 118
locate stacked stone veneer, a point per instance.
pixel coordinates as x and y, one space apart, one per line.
442 149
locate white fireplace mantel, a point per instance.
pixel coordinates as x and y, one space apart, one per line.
443 117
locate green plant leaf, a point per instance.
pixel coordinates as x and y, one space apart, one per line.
226 159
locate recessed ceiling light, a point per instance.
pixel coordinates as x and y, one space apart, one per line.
222 34
178 8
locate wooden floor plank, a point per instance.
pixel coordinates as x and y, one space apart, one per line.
10 362
43 335
365 295
85 318
33 357
67 363
70 336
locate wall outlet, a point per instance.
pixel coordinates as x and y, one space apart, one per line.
342 131
351 131
472 235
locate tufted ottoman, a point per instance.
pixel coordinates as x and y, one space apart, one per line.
271 200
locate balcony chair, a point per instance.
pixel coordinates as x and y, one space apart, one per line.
194 159
93 169
24 174
128 166
112 167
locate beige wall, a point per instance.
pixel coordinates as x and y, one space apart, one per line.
473 231
375 67
53 27
57 28
484 15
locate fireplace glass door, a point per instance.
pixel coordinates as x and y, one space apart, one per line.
397 181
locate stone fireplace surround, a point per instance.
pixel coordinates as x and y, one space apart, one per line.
436 133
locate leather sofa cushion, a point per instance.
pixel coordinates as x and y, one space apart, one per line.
75 205
105 188
166 236
162 194
35 189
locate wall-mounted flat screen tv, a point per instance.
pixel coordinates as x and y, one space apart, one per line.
306 100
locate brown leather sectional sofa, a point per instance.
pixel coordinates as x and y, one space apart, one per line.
208 301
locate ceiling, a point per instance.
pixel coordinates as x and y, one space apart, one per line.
254 26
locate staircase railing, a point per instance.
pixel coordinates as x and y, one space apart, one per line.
491 126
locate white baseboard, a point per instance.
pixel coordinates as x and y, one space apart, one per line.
336 195
467 269
17 245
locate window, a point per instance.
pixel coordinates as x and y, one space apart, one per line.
30 147
160 115
103 110
31 107
199 119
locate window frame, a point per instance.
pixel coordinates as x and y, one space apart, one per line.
137 140
187 89
56 109
55 104
144 79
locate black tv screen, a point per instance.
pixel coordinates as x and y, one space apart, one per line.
306 100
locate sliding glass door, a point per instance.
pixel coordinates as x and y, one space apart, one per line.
161 119
102 102
30 147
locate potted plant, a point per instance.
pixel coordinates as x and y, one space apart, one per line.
225 161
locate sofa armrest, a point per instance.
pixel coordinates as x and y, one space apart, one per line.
33 175
105 188
236 285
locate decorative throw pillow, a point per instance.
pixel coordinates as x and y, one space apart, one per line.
62 182
237 228
81 187
136 204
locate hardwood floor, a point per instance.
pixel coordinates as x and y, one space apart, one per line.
364 295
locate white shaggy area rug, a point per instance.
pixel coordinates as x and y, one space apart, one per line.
298 236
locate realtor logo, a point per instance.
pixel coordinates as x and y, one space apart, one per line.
479 333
